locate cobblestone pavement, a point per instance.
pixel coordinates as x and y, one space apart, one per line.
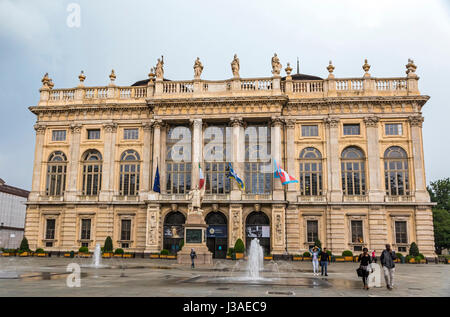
156 277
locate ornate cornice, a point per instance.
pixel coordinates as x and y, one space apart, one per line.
371 121
416 121
40 128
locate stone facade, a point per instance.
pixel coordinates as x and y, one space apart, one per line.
286 106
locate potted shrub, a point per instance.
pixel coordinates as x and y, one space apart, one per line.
118 253
239 249
128 255
171 256
400 258
422 259
414 253
296 257
163 254
230 252
268 257
9 252
307 256
348 255
83 252
154 256
40 252
108 248
24 249
410 259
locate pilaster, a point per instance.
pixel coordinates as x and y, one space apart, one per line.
276 123
153 234
421 192
107 190
292 230
376 193
332 140
238 145
38 161
278 229
290 160
146 159
197 142
235 227
74 162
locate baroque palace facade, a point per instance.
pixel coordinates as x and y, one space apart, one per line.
354 145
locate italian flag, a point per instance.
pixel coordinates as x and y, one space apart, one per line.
201 180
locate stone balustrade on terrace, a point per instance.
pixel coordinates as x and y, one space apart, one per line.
269 86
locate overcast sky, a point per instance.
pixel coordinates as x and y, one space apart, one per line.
130 35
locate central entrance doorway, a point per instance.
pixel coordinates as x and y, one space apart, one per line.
217 234
257 225
173 231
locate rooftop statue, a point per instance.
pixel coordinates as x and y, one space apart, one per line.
159 68
235 66
276 65
198 68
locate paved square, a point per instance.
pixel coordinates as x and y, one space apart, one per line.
156 277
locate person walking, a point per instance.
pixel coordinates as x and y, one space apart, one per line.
315 259
324 259
193 256
387 262
365 260
374 259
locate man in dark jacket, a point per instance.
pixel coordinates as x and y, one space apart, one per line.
193 256
324 259
387 262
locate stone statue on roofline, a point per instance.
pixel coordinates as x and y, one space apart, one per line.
159 70
198 68
235 66
276 65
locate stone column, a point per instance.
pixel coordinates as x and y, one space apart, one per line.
197 142
157 124
238 152
38 161
278 229
146 180
235 226
74 163
278 193
421 192
107 190
153 232
291 153
293 230
332 136
376 193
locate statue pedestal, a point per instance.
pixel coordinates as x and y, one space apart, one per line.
195 238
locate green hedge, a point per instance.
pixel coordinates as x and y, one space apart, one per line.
40 250
83 250
347 253
230 251
239 246
119 251
164 252
306 254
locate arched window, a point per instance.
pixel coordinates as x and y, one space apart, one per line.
129 173
92 172
353 171
310 172
396 171
56 174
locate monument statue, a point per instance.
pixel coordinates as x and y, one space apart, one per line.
276 65
159 68
235 66
198 68
196 198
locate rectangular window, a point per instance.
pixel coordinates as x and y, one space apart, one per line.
93 134
58 135
351 129
310 130
400 232
130 134
85 229
312 230
125 234
357 231
49 244
393 129
50 229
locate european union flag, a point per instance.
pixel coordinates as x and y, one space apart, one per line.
232 174
156 186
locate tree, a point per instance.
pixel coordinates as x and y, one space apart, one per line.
441 220
440 193
239 246
108 245
318 243
24 247
413 250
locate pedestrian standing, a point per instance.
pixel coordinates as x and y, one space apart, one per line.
365 261
193 256
387 262
324 259
315 259
373 257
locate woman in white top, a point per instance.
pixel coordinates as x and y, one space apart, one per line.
315 259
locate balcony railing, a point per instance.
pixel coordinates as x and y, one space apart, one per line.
355 198
313 199
399 199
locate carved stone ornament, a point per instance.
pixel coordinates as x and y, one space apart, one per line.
276 122
198 68
40 128
371 121
236 122
288 70
82 77
112 76
290 123
236 225
45 80
416 121
75 128
110 127
147 126
157 124
276 65
197 123
330 68
159 69
410 68
366 66
278 228
153 228
235 66
331 122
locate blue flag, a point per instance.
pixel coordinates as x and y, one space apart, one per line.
156 186
232 174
